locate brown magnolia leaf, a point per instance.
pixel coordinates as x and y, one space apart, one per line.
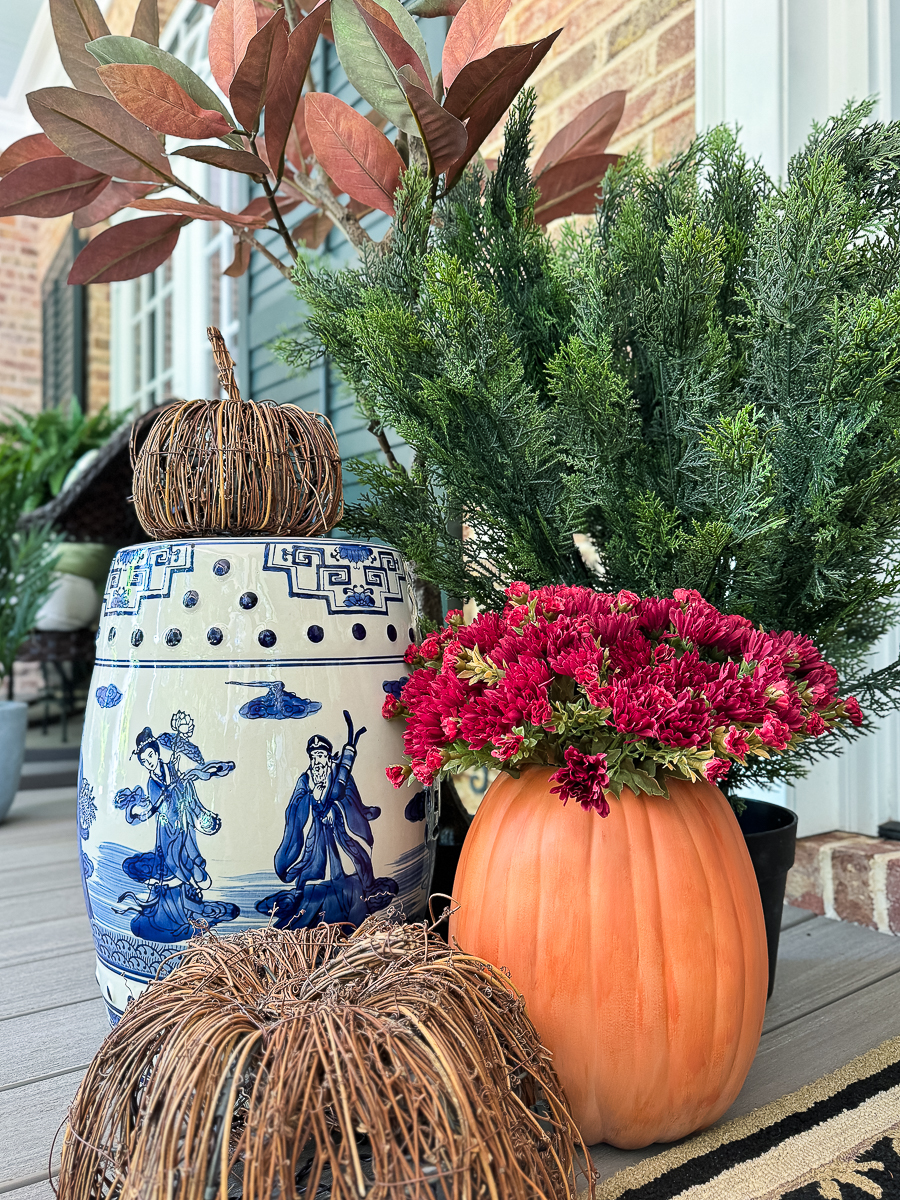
155 99
241 260
485 88
128 250
263 59
146 22
586 134
384 29
471 35
298 148
202 212
571 187
49 187
445 138
313 230
27 149
434 8
232 26
229 160
260 207
360 159
76 22
98 132
284 91
114 197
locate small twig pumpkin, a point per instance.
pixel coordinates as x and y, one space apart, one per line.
234 466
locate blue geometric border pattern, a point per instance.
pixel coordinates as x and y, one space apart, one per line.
145 573
360 578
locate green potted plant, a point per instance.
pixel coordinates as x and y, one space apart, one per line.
27 562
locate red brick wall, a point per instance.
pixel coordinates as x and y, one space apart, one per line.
20 314
645 47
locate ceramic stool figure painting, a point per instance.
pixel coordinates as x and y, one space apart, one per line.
233 759
174 870
326 846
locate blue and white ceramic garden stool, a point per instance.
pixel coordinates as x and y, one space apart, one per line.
232 767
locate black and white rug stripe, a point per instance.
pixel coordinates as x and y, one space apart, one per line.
836 1139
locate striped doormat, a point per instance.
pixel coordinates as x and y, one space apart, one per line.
836 1139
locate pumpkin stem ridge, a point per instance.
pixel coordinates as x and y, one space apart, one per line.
224 363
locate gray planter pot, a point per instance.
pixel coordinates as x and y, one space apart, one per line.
13 724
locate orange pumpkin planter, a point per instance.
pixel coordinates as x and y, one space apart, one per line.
637 941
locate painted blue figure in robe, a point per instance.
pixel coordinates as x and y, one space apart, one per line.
174 871
326 843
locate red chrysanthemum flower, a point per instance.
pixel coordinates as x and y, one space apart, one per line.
583 779
853 711
716 769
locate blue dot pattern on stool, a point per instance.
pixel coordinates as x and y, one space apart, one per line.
137 637
267 638
189 599
249 600
315 633
222 567
412 635
111 636
359 631
214 636
173 637
392 633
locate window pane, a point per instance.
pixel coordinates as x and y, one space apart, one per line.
151 345
167 333
215 288
136 372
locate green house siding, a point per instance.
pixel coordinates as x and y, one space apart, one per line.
270 308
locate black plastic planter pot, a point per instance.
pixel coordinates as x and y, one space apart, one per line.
770 832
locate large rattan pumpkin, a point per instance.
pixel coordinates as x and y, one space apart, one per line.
637 941
237 467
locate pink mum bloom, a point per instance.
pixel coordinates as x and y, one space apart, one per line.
540 712
814 724
397 775
853 711
583 779
775 733
422 773
518 591
390 708
737 742
716 769
508 747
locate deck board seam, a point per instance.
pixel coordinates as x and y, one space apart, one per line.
11 1087
834 1000
31 1012
68 948
8 1186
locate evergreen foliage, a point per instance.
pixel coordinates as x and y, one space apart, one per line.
706 383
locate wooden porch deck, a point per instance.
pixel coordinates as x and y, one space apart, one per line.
837 993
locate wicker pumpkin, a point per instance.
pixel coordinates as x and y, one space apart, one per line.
638 943
237 467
